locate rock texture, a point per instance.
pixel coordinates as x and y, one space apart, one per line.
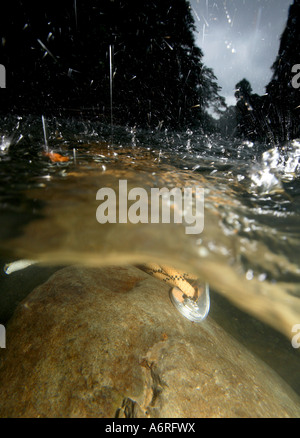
108 343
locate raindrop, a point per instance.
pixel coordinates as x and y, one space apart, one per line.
111 84
45 134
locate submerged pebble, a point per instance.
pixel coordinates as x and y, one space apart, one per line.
108 343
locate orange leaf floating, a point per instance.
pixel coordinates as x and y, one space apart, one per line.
56 158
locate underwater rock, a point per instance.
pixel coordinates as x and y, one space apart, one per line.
108 343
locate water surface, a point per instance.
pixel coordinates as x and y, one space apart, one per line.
248 251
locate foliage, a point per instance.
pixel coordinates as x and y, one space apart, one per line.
57 60
273 117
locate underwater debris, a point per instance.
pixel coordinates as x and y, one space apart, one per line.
55 157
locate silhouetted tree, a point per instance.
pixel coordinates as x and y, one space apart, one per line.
249 117
282 105
227 123
243 90
57 59
273 117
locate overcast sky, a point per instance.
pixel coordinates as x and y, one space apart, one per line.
240 39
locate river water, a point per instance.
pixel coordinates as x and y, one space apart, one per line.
248 250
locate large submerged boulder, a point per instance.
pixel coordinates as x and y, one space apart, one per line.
108 343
